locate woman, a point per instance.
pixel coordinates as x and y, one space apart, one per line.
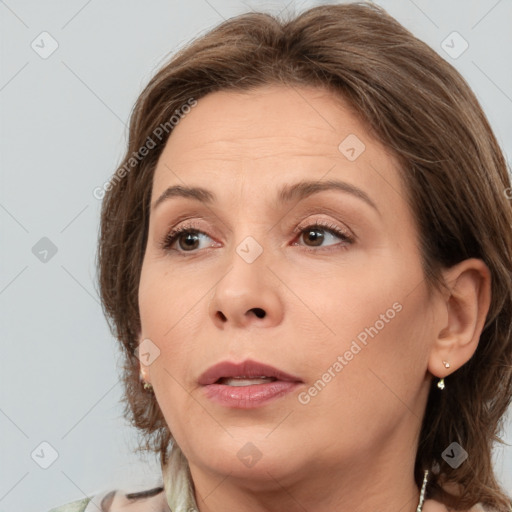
311 277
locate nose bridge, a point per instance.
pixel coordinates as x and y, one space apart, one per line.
245 279
251 231
247 292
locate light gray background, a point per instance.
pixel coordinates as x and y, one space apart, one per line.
63 128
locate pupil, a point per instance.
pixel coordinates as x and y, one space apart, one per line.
315 235
190 240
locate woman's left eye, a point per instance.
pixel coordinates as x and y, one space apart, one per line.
315 234
188 237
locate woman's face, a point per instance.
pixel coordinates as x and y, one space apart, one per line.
343 308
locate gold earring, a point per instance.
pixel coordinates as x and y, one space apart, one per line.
441 384
146 385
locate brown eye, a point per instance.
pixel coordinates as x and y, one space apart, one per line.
186 238
315 236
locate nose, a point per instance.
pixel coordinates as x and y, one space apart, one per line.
248 294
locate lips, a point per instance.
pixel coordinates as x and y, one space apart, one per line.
248 369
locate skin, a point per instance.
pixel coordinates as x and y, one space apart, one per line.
352 447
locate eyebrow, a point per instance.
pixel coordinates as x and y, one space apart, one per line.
287 193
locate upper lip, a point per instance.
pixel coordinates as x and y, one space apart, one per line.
247 368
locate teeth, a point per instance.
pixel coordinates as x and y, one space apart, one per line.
245 381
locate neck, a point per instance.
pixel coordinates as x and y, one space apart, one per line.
346 488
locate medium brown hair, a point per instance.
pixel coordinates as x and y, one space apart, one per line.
415 104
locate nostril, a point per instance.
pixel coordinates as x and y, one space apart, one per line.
221 315
258 312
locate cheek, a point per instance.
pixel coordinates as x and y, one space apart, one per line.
370 318
167 301
172 310
365 380
160 312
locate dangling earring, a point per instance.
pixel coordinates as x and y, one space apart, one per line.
440 384
422 492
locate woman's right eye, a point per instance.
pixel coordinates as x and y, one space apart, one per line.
186 237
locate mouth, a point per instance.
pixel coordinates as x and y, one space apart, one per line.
242 374
246 385
244 381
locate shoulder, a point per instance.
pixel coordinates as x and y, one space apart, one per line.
119 501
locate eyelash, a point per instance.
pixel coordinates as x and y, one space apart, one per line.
169 239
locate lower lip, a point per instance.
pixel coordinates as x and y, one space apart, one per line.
248 397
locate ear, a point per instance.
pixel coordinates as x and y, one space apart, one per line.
465 306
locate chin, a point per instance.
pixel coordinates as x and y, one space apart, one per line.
243 454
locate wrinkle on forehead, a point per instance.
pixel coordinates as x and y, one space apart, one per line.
259 116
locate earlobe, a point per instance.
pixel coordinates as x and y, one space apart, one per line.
144 373
466 302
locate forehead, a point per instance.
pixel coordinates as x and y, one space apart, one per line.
262 119
270 135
